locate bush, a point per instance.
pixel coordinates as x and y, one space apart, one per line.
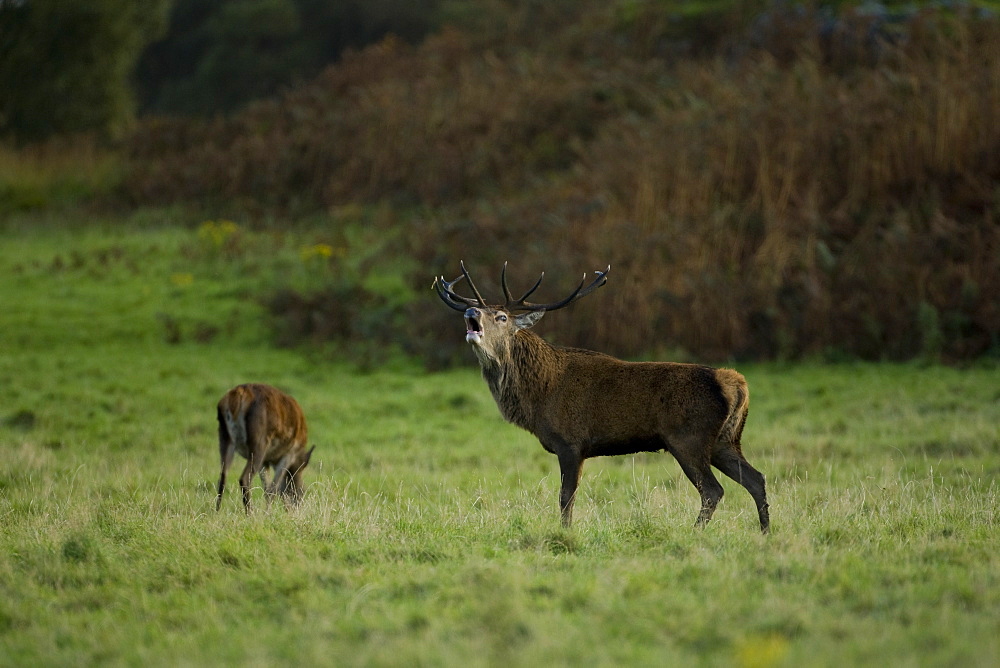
65 67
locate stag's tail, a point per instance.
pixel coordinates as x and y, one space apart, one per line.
737 393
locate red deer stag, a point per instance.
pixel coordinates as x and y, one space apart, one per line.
583 404
267 427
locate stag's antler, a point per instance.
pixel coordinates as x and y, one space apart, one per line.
456 301
521 305
446 292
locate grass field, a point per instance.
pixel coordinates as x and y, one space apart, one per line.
429 534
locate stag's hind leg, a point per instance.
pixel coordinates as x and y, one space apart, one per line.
695 465
728 459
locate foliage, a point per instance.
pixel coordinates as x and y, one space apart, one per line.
805 183
65 67
217 56
429 532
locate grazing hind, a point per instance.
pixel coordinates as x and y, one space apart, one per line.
267 427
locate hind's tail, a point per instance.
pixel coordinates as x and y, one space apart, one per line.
232 415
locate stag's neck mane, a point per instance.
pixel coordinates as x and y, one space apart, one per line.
521 376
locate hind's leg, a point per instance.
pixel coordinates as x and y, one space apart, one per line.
226 451
280 482
249 471
728 459
257 444
269 486
295 489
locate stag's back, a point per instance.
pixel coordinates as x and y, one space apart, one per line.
584 396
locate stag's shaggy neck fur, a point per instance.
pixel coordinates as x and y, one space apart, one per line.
520 373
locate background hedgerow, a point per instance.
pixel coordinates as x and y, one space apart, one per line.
796 183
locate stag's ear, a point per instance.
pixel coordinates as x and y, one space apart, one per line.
526 320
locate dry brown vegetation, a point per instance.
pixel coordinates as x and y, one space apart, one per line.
782 184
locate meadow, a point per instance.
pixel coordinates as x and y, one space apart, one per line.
429 534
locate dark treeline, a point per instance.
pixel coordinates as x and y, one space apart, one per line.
217 56
90 67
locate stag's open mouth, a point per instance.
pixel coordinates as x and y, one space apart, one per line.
473 328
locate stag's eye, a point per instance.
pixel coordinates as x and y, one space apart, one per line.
501 318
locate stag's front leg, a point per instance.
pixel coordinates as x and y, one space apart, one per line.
570 468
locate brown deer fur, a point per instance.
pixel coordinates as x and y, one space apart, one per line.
583 404
267 427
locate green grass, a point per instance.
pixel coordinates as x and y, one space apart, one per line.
429 534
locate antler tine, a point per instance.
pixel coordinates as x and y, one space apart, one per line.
532 289
521 305
510 302
447 294
482 302
602 278
503 284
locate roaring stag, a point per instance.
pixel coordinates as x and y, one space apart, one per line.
583 404
267 427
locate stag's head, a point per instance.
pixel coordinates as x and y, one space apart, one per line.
491 328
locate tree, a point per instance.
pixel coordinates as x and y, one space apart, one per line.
66 66
220 54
